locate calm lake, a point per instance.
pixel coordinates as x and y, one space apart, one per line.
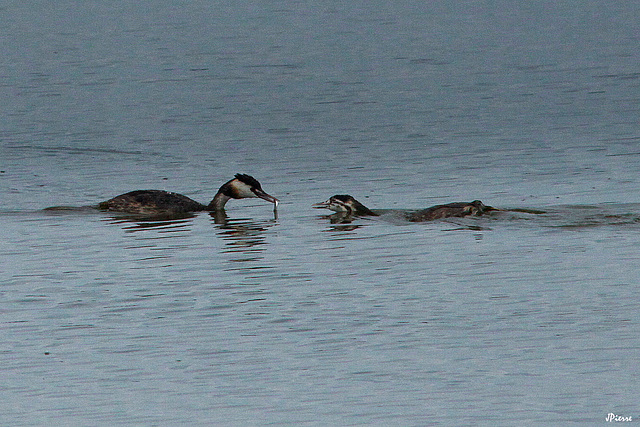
529 316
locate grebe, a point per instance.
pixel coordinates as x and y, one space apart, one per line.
154 202
343 203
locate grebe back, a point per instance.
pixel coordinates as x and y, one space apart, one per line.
456 209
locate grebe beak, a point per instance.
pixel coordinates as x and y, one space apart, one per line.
322 205
269 198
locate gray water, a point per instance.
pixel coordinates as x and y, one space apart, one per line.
519 318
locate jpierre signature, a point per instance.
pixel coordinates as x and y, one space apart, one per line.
611 417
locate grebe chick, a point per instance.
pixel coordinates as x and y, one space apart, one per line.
344 203
154 202
349 206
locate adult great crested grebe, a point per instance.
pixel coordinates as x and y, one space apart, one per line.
344 203
152 202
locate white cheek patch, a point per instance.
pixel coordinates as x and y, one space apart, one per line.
243 190
337 207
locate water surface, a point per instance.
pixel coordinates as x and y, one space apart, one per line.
516 318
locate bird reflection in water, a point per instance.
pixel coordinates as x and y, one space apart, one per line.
341 221
242 234
133 223
344 227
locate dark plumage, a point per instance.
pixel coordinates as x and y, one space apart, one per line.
151 201
458 209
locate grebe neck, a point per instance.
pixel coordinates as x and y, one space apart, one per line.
218 202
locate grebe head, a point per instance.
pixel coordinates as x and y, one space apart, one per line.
346 204
241 187
338 203
244 186
481 207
